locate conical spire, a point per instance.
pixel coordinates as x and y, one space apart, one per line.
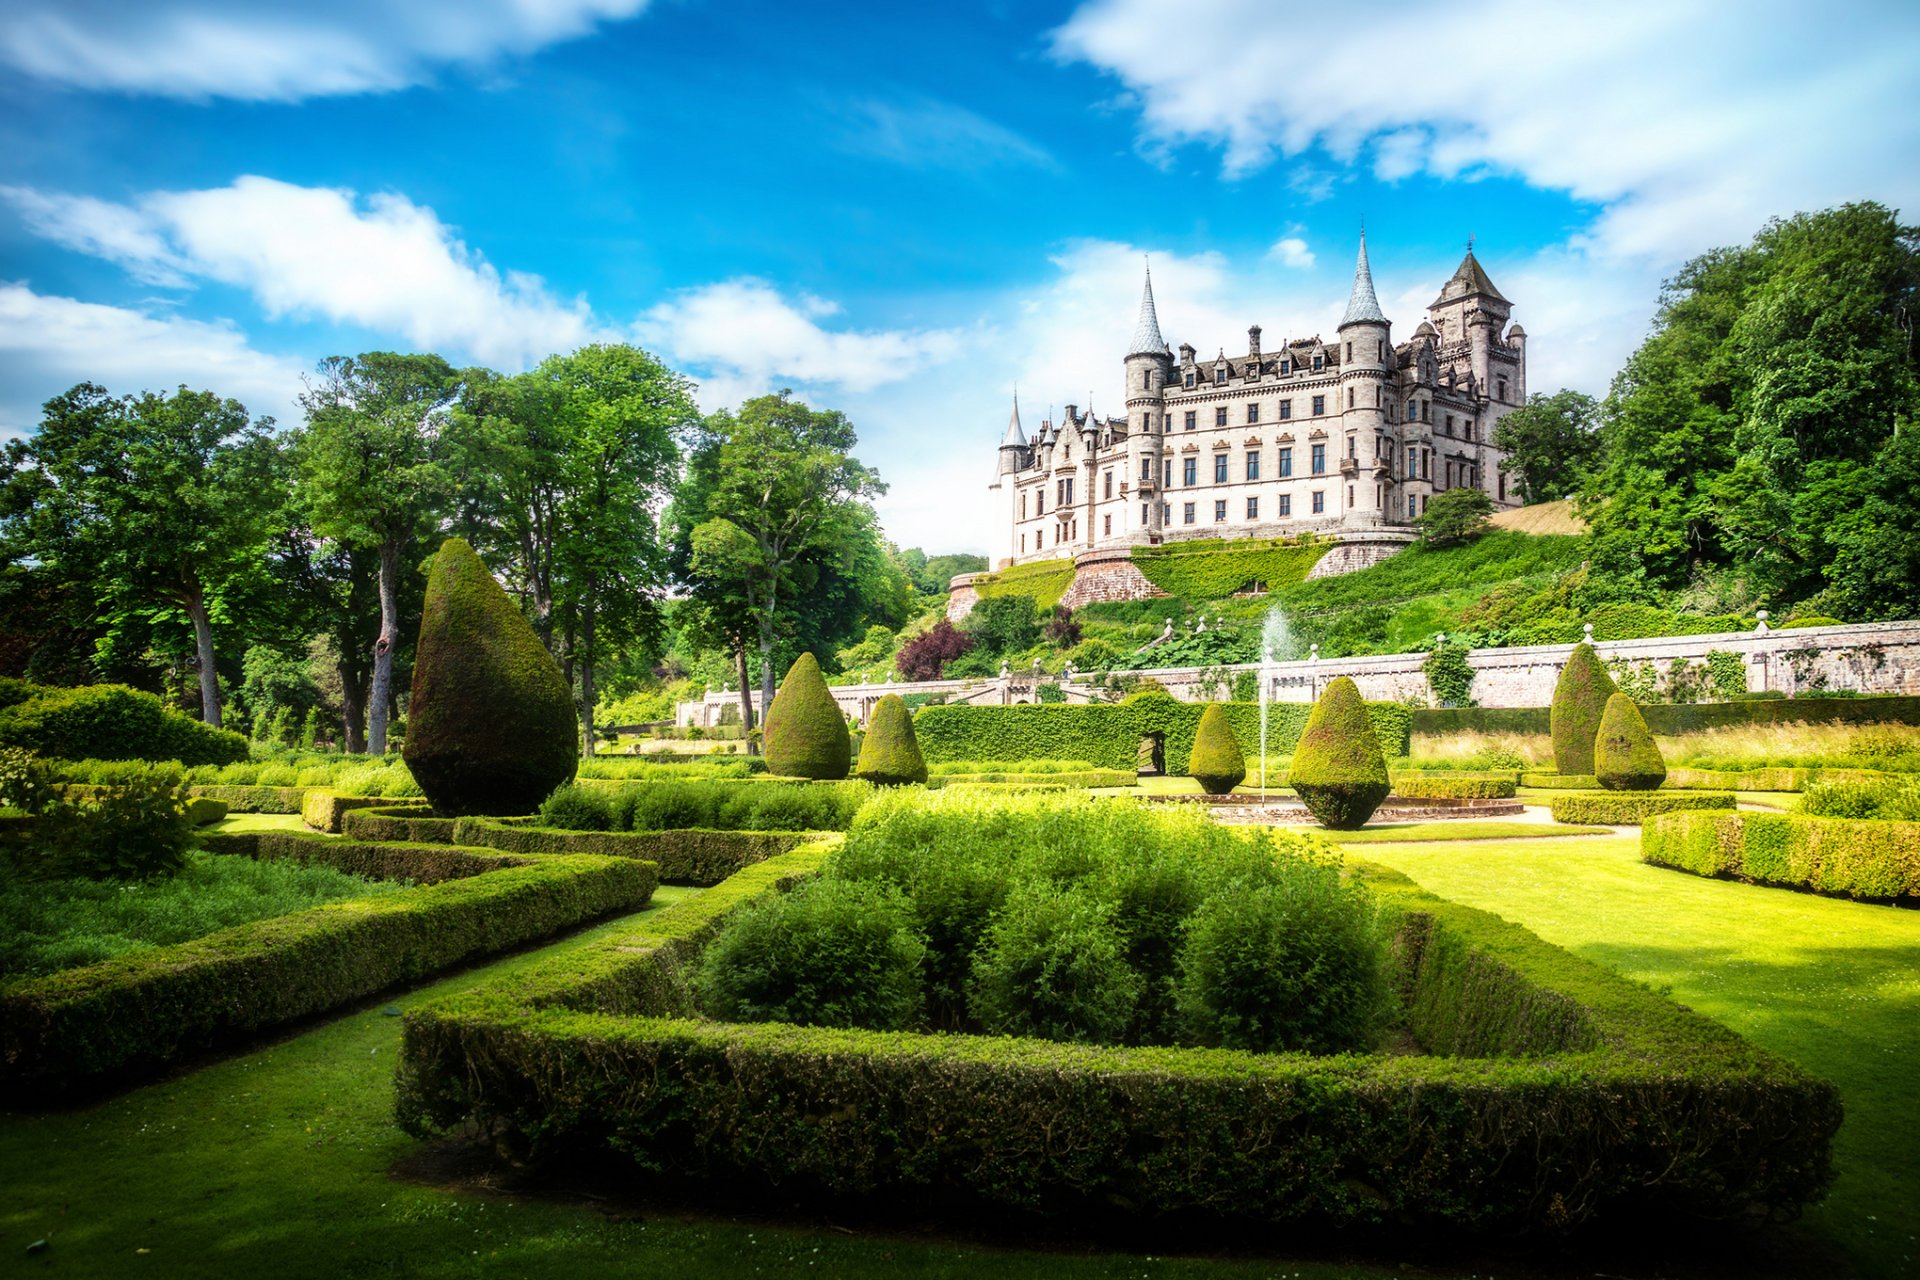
1362 306
1146 334
1015 436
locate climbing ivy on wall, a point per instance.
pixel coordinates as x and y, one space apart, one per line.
1450 676
1043 580
1212 568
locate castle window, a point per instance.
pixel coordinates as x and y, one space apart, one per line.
1106 526
1069 457
1023 544
1039 539
1253 464
1503 486
1166 512
1190 471
1349 397
1349 497
1065 496
1319 361
1189 379
1382 357
1253 508
1413 411
1167 480
1186 513
1411 500
1220 511
1286 367
1253 413
1319 459
1286 462
1109 482
1144 508
1219 468
1220 376
1040 502
1424 500
1319 502
1286 410
1023 506
1353 446
1448 430
1286 505
1412 462
1503 390
1349 353
1220 416
1193 419
1319 405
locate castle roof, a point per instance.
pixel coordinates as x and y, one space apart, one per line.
1146 331
1362 306
1015 436
1468 280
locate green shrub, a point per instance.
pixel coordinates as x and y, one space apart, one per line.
686 856
831 953
1561 781
1215 568
1625 757
1891 797
578 808
1041 581
1450 675
806 734
139 830
1629 807
27 783
1869 859
1454 786
254 799
1216 762
1051 965
730 805
1812 620
1295 965
405 824
1579 700
890 755
113 722
203 812
1338 769
491 726
323 810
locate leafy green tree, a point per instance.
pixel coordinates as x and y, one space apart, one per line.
373 478
931 574
1550 443
148 505
1456 516
1003 624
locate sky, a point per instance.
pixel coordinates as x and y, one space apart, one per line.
903 211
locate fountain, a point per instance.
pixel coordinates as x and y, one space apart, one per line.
1276 638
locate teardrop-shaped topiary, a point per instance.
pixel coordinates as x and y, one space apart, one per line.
491 726
1217 762
890 754
1579 700
1625 756
1338 767
806 734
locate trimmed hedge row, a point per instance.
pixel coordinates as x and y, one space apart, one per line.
1669 720
1108 734
406 824
1215 568
687 856
1561 781
103 1022
1552 1091
375 859
1454 786
1056 781
1862 858
322 809
110 722
1776 779
254 799
1624 808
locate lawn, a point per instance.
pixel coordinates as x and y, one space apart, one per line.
1832 985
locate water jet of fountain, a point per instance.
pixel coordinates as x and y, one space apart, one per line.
1276 637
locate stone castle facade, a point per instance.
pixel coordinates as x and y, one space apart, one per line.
1351 437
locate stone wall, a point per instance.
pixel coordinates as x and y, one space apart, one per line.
1359 550
1108 574
961 597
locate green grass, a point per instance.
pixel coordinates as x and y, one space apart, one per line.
239 822
1831 985
1459 829
46 926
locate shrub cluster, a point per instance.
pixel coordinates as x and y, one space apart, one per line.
111 722
721 805
1625 757
1869 859
1561 781
1893 797
1669 721
1626 808
138 830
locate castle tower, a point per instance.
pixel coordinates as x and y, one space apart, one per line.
1013 458
1366 356
1149 368
1472 312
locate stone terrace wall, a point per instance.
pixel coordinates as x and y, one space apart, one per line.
1109 574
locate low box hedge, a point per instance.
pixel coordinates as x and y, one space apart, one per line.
375 859
1057 781
1864 858
1671 719
408 823
101 1023
1561 781
1622 808
204 811
1776 779
689 856
240 799
1454 786
322 809
1548 1091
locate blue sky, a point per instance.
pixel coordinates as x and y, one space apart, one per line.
902 211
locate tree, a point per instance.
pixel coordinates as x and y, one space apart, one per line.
1550 442
783 490
926 655
1003 624
147 504
373 477
1456 516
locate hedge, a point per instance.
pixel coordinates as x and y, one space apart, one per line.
1561 781
101 1023
424 863
1214 568
1044 581
1776 779
1862 858
1549 1091
1420 785
254 799
1625 808
1669 720
1108 734
403 823
1056 781
112 722
321 809
684 857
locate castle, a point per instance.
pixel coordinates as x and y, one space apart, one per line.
1344 437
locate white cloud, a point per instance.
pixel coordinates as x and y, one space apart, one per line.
49 343
384 263
926 133
1291 251
279 50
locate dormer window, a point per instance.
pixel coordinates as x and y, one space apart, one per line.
1220 376
1319 362
1286 367
1189 379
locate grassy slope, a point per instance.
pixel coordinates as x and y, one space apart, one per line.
1832 985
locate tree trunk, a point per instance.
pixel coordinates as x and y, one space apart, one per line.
383 646
586 683
196 601
746 694
353 709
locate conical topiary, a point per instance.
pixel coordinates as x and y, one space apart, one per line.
1338 767
491 726
1625 756
806 735
1216 763
890 754
1579 700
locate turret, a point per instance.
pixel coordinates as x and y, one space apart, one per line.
1366 356
1149 368
1013 448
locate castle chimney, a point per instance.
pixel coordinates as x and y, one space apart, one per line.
1253 341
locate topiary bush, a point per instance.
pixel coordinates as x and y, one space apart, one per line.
1052 965
1217 762
138 830
578 808
806 734
1338 768
890 755
491 727
831 953
1625 756
1579 700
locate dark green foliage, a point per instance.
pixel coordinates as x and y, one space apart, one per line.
1455 516
139 830
1216 761
890 755
806 734
1338 768
831 953
112 722
1051 965
718 804
578 808
1627 808
1550 443
491 726
1003 624
1215 568
1625 757
1450 675
1579 700
1870 859
1292 965
684 856
27 783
